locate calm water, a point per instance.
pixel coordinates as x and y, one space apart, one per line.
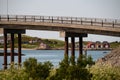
54 56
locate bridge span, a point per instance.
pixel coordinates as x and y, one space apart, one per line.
68 26
56 23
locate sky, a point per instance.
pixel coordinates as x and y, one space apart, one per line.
73 8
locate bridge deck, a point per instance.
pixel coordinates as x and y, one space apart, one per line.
69 24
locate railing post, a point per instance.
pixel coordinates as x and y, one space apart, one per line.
25 18
102 23
58 19
113 24
7 17
76 20
71 20
91 22
52 19
61 20
34 18
16 18
43 18
81 21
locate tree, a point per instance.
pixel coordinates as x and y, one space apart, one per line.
36 70
70 70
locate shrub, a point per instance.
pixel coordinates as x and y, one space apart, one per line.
36 70
105 72
13 73
32 70
69 70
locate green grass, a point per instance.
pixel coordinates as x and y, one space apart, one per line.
114 44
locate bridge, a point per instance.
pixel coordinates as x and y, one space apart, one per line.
68 27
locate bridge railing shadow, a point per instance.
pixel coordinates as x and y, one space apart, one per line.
114 23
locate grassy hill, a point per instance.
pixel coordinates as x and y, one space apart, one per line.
53 43
114 44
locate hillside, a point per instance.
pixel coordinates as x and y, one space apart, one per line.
34 42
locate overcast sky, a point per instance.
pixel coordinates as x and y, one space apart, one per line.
77 8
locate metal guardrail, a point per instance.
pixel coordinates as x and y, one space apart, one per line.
63 20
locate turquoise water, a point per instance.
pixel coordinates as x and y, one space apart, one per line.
54 56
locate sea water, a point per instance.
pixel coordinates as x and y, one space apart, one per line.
54 56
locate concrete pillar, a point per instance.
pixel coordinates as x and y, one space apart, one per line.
5 50
12 47
73 46
19 49
66 46
80 46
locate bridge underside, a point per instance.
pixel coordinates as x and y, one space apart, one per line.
106 30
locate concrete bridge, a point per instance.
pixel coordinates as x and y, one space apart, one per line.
68 27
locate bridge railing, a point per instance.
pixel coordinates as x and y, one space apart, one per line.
63 20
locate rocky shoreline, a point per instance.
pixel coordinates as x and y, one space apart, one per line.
113 58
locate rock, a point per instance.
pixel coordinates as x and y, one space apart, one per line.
113 58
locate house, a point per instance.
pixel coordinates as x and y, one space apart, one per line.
98 45
90 45
106 44
43 46
35 41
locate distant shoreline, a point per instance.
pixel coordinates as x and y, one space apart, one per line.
17 48
58 49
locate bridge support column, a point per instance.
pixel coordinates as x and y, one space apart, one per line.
72 50
66 46
73 46
5 50
12 47
80 46
19 49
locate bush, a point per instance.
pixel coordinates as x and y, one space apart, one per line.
36 70
105 72
13 73
32 70
69 70
84 60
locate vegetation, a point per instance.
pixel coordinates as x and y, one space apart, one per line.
105 72
32 70
68 70
52 43
37 71
71 70
114 44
